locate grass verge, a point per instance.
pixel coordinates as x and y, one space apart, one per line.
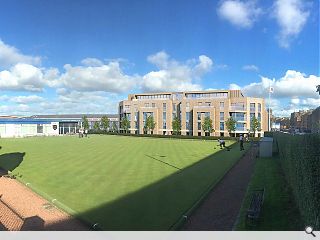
279 211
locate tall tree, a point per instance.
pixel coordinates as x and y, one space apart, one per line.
255 125
176 125
207 125
96 126
231 125
125 124
105 123
85 122
150 124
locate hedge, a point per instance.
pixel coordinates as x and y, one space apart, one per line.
300 160
166 136
268 134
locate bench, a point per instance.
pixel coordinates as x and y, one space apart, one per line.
254 210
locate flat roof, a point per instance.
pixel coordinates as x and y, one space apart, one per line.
24 121
74 116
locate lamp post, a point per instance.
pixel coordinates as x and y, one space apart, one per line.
269 117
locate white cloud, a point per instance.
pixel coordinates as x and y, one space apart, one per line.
26 99
107 77
291 16
292 84
10 56
241 14
311 102
92 62
22 77
252 67
295 90
204 66
234 86
295 101
174 75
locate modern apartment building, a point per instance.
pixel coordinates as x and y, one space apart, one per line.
191 108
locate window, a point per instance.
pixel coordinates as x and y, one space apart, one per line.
174 106
187 116
199 116
39 128
164 125
153 105
221 126
187 104
259 117
252 115
259 107
146 104
221 116
238 116
207 114
221 105
199 125
240 127
164 116
208 104
164 105
252 107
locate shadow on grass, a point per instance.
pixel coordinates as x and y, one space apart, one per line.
10 161
162 204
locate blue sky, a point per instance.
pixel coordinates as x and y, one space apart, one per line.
84 56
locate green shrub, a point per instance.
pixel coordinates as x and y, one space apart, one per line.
300 160
268 134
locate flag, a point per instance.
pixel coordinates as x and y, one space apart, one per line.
271 90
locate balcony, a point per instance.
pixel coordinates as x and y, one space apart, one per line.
203 106
242 129
237 108
240 119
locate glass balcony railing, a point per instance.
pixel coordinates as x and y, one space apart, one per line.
240 119
241 129
238 108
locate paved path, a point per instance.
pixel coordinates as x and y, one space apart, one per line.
219 211
22 209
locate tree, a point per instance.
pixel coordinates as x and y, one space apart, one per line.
207 125
96 126
255 125
85 122
318 89
176 125
105 123
114 127
150 124
125 124
231 125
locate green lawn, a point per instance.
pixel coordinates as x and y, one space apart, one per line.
123 183
279 212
